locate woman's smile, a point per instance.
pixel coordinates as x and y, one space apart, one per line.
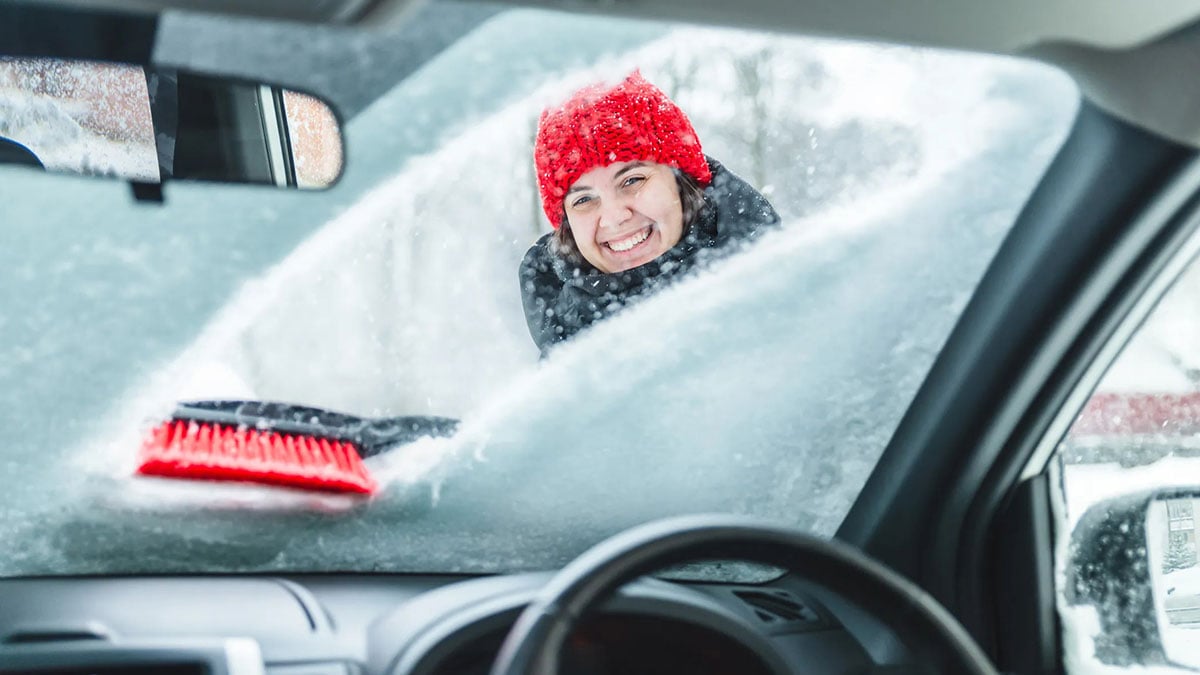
631 242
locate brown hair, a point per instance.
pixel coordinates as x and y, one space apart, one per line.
691 199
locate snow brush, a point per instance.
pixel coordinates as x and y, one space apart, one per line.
277 444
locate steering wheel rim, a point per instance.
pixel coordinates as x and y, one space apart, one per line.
533 645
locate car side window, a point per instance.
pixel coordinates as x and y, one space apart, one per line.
1129 476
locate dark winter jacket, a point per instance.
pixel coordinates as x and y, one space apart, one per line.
564 296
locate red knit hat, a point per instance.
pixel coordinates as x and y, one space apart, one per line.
633 121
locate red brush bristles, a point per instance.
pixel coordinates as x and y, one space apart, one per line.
203 450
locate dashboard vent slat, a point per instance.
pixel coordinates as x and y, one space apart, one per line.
777 607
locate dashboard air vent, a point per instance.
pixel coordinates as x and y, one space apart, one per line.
778 607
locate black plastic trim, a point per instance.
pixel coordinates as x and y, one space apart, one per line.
1021 569
285 136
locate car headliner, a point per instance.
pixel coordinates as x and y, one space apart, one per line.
1009 27
1132 58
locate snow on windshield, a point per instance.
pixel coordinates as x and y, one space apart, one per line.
768 385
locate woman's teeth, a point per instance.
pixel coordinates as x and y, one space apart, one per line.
629 242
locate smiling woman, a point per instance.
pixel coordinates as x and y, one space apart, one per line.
635 202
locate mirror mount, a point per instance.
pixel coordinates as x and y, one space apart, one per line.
147 193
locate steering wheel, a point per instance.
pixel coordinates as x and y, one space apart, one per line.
932 635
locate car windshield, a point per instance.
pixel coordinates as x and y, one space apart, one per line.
766 383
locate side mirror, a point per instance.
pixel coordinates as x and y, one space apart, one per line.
149 125
1133 559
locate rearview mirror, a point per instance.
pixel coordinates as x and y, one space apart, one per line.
149 125
1133 559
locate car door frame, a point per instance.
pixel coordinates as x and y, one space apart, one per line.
951 503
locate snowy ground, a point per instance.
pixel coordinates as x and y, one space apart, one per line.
1183 582
1180 617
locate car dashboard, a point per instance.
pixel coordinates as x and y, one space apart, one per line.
333 624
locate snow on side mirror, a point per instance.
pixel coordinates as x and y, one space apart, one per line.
153 125
1133 560
1171 528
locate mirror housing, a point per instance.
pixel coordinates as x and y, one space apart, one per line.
153 125
1119 563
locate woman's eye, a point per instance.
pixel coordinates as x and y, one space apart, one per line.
581 201
633 180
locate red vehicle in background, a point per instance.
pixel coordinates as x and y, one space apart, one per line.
1133 429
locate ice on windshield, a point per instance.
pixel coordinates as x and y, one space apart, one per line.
768 385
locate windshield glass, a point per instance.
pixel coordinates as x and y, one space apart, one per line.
875 183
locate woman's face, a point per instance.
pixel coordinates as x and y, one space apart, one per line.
625 214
